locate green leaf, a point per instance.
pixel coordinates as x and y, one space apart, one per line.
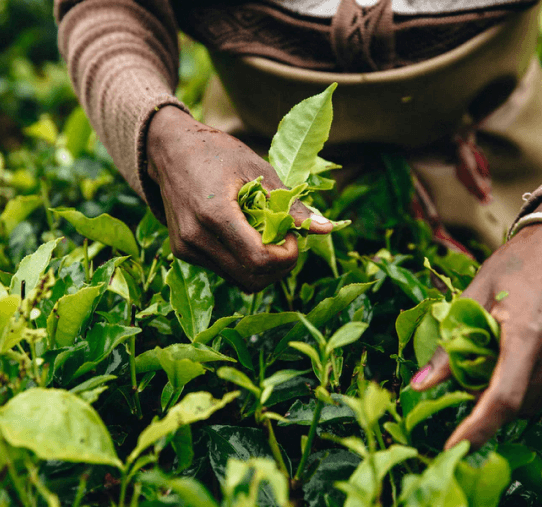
197 352
183 447
484 486
179 371
208 334
232 337
302 413
281 376
193 407
44 129
426 338
396 431
437 485
323 312
371 405
319 337
191 297
69 314
106 229
16 210
321 165
300 137
426 408
77 131
191 492
333 465
363 480
238 378
102 339
149 230
347 334
309 351
57 425
260 470
516 455
261 322
8 307
405 280
408 321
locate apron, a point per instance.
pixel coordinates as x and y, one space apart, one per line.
469 121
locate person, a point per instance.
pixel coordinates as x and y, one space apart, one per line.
437 79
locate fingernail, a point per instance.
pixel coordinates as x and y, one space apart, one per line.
421 375
319 219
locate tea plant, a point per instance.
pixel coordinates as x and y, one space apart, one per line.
129 377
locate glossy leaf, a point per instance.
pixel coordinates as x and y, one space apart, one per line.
238 378
57 424
180 371
261 322
191 297
426 408
106 229
408 321
208 334
300 137
232 337
69 314
193 407
302 413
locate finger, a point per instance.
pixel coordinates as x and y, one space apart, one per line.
433 373
319 224
245 242
504 397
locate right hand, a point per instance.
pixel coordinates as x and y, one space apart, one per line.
200 171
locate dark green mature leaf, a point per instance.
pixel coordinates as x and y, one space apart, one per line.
191 297
324 311
102 339
260 322
484 486
302 413
517 455
106 229
334 465
217 327
149 230
300 137
232 337
57 424
405 280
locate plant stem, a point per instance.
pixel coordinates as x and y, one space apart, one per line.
392 478
34 362
310 438
81 488
47 204
275 449
152 273
133 368
252 304
123 486
87 267
17 483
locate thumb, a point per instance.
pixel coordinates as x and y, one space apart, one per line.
319 224
434 372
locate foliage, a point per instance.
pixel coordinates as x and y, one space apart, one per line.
131 377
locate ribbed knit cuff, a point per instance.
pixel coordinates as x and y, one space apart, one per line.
150 189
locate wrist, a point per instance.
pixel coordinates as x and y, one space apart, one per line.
163 124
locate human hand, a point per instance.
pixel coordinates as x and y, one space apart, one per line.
515 388
199 171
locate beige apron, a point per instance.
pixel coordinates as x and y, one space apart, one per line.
419 108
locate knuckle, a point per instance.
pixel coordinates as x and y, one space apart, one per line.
508 404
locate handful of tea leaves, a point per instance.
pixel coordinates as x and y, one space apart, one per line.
294 155
470 336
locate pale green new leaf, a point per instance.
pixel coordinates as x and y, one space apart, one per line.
8 307
309 351
238 378
300 137
347 334
193 407
181 371
69 314
16 210
221 324
57 425
104 228
31 268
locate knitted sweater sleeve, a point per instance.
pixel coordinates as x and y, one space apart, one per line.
122 57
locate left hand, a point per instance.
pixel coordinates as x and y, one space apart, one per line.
515 388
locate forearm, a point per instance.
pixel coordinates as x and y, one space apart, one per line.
123 61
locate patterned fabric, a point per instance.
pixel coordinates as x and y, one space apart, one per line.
354 39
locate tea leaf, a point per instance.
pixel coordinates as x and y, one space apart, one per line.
57 424
347 334
300 137
17 210
104 228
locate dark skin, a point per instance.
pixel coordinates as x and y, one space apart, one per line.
515 388
200 171
192 162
